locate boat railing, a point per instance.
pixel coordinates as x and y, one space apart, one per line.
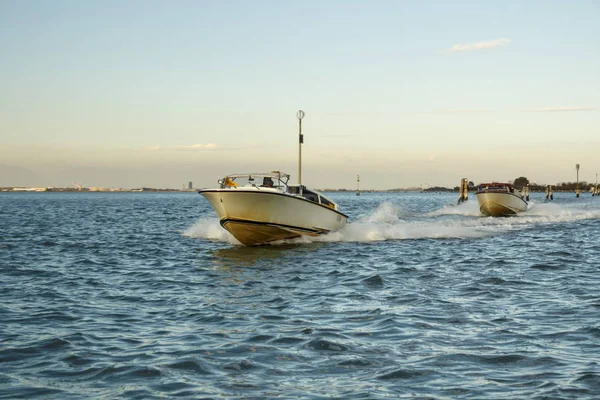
257 181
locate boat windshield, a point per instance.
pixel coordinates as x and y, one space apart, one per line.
496 187
264 180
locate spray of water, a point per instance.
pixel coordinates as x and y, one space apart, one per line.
209 228
468 209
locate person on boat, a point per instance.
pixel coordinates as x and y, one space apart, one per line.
267 182
229 183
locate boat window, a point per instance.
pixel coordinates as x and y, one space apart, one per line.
307 194
326 202
294 189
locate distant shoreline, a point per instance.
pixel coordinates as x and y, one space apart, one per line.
21 189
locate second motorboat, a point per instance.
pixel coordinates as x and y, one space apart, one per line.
500 199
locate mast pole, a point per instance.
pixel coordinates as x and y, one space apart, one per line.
300 115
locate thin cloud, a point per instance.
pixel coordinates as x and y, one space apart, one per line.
458 111
559 109
192 147
488 44
196 147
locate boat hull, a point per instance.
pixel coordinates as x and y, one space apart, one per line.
500 204
261 216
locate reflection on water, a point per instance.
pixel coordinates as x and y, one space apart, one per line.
267 256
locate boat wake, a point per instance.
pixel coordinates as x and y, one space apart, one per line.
467 209
386 222
210 228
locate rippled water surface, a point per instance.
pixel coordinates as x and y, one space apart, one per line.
144 295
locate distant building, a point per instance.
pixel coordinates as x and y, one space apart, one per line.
190 185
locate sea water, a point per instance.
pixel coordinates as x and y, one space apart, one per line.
144 295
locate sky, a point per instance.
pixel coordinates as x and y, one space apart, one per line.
403 93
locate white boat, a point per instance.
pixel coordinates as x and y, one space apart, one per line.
261 208
499 199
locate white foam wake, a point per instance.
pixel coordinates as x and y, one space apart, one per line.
468 209
385 213
556 213
384 223
210 228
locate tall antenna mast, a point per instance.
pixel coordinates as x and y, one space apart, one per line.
300 115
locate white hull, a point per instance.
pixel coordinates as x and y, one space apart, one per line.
500 204
257 216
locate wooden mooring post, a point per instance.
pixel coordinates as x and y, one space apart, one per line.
463 190
549 194
525 192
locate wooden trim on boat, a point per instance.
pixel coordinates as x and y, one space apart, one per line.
318 231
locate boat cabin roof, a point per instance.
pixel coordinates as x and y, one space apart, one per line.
272 174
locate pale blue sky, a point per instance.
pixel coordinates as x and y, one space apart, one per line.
155 93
